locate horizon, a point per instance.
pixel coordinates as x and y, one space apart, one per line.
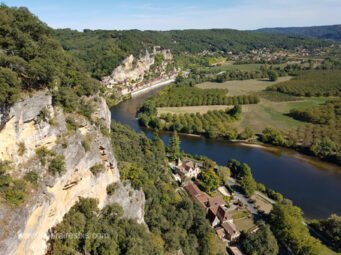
160 16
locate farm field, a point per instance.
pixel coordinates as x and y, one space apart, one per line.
192 109
273 114
237 88
230 66
256 116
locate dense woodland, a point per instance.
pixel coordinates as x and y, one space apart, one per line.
170 215
312 83
101 51
332 32
102 231
331 229
328 113
31 59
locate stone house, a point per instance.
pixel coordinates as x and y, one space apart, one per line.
187 169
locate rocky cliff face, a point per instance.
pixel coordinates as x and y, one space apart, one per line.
24 229
134 71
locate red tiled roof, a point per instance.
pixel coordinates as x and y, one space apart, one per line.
220 232
229 228
223 214
216 201
193 189
196 193
202 198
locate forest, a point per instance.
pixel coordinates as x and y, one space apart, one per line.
327 113
312 83
331 32
32 59
101 51
170 215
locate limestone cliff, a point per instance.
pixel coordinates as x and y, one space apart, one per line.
135 73
24 229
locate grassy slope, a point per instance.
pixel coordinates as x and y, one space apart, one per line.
272 114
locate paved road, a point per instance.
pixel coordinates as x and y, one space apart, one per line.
149 87
232 183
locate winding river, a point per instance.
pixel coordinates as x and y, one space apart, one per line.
313 185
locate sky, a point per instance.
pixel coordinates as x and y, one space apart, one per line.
182 14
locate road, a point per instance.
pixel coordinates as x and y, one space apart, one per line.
149 87
232 183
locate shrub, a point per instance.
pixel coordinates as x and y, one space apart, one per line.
31 177
44 115
57 165
261 187
21 149
66 98
14 197
86 143
96 169
86 109
71 124
112 188
105 131
43 153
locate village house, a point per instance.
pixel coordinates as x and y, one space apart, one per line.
234 250
196 194
217 214
231 232
187 169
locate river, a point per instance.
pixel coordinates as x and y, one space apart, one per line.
313 185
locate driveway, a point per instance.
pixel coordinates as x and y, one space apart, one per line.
237 194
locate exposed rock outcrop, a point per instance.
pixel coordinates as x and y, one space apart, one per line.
24 229
133 207
135 73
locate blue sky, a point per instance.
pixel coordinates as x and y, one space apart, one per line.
182 14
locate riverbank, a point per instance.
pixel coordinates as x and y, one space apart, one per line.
312 186
112 103
151 87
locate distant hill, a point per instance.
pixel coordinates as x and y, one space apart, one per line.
332 32
102 50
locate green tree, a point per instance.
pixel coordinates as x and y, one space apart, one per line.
273 75
9 86
209 180
224 174
324 148
174 146
331 229
247 182
262 242
287 223
272 136
246 134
